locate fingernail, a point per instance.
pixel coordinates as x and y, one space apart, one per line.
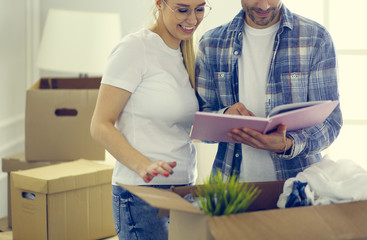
155 173
148 179
166 174
171 172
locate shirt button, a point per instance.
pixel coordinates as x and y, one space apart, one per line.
235 52
222 75
293 76
237 155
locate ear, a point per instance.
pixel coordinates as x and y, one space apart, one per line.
158 4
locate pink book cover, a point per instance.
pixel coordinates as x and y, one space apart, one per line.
214 127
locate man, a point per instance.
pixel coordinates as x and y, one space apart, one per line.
265 57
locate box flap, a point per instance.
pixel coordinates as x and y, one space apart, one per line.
75 83
337 221
160 198
268 197
173 199
17 162
63 177
67 83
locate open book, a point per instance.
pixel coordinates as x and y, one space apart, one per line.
214 127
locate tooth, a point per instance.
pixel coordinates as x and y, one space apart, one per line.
187 28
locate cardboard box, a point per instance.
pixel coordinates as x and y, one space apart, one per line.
58 115
14 163
69 200
263 221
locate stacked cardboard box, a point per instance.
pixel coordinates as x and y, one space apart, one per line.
17 162
263 221
70 200
58 115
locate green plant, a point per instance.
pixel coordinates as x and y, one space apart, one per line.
218 197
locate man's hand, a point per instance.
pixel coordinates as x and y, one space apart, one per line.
238 109
274 142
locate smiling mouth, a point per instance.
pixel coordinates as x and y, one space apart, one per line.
187 28
262 14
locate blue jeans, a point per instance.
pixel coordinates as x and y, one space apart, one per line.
135 219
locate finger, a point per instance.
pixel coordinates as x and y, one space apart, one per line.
239 139
251 113
172 164
250 133
148 177
236 138
232 110
282 129
247 136
160 168
242 110
235 109
166 168
239 136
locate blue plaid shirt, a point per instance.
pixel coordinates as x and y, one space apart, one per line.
303 68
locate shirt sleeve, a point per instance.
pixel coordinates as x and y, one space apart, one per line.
126 64
323 85
205 83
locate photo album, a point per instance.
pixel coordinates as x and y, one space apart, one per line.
209 126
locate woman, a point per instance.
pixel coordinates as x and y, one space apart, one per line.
144 114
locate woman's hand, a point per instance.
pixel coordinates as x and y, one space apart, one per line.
157 168
111 101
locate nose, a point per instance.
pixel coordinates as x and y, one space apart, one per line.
191 18
263 5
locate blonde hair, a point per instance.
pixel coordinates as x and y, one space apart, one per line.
188 53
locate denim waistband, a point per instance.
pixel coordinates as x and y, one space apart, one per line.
167 186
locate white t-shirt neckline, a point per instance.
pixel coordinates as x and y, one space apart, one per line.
254 63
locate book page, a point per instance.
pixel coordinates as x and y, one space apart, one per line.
293 106
303 117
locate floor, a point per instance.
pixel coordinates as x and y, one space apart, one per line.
6 233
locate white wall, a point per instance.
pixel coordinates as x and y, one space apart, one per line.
21 25
13 75
134 14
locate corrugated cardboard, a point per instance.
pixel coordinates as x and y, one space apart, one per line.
58 115
262 221
14 163
69 200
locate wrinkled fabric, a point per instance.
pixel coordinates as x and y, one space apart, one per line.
325 182
298 196
135 219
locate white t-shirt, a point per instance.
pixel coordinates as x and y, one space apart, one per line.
257 165
158 116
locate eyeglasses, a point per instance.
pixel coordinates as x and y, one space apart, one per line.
182 13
